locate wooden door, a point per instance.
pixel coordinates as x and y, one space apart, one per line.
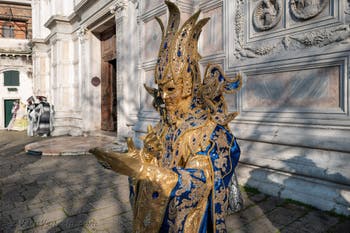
108 81
8 104
108 106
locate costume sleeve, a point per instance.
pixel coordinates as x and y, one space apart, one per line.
224 156
199 201
188 202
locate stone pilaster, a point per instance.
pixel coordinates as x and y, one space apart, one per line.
127 59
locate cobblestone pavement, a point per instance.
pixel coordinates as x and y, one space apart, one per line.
75 194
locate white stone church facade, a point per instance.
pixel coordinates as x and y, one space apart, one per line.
91 58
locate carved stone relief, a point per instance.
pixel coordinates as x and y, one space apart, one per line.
347 11
293 41
307 9
324 37
241 49
267 14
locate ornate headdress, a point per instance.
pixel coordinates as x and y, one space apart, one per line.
178 60
178 54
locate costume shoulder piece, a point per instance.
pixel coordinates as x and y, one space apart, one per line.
215 85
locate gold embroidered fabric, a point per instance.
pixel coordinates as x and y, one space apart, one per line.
179 178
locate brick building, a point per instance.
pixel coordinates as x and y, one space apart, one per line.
15 20
15 55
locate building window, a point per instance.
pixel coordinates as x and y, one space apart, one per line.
8 31
11 78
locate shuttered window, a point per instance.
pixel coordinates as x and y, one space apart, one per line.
8 31
11 78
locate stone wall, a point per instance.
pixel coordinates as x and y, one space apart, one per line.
294 103
293 126
67 56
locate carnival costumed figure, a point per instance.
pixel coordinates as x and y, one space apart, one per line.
20 122
45 115
40 116
181 177
32 118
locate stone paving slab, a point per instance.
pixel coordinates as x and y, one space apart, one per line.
76 194
314 221
67 145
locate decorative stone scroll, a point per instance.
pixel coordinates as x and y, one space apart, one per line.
267 14
324 37
307 9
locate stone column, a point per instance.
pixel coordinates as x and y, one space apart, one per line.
64 88
83 72
41 70
127 61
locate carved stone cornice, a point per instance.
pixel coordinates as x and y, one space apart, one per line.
80 5
56 19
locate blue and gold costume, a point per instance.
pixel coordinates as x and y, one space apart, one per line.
180 179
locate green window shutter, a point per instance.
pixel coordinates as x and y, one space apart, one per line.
11 78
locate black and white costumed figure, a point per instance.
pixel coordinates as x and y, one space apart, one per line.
40 116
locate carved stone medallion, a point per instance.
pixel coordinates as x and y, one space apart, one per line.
95 81
306 9
347 11
267 14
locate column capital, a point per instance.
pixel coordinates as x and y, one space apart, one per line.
118 6
81 33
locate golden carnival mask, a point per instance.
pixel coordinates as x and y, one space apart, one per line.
177 70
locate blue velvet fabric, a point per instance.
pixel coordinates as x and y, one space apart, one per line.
224 153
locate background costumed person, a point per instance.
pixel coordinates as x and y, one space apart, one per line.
181 177
19 123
